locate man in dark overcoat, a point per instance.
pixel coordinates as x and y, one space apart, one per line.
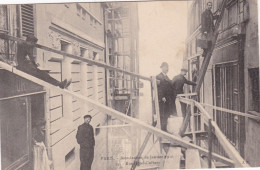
207 26
165 95
86 140
177 84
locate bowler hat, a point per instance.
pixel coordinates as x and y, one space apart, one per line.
164 64
87 116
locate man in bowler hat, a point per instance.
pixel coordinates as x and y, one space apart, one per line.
165 95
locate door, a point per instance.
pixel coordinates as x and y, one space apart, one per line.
15 133
227 95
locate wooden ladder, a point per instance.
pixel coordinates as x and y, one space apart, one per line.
205 64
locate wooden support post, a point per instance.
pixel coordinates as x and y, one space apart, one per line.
193 125
156 101
141 150
210 144
158 124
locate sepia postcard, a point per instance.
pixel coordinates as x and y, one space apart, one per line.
129 85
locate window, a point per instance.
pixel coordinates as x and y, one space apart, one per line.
64 46
78 10
70 157
27 17
91 20
254 89
94 55
232 15
84 13
82 52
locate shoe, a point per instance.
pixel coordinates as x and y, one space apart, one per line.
63 84
68 83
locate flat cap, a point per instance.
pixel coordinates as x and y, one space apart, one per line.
87 116
31 37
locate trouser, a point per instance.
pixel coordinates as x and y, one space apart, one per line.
34 71
209 37
183 108
164 114
86 158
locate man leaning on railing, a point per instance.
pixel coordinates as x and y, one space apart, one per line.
177 84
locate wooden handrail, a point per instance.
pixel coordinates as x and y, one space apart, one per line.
121 116
231 111
228 147
200 105
187 94
87 60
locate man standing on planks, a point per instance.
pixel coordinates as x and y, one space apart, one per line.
165 95
177 84
86 140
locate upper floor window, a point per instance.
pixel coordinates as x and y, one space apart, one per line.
79 10
83 52
27 18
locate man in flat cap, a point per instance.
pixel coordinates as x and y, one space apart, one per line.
177 84
27 64
86 140
165 95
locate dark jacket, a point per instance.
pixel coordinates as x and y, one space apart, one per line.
22 51
207 21
178 83
85 136
164 87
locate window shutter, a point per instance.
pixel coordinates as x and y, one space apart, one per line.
27 19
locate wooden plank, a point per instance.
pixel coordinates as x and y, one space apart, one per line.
192 160
204 163
87 60
107 110
193 125
229 149
173 158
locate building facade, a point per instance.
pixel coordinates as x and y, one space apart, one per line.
232 77
81 29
